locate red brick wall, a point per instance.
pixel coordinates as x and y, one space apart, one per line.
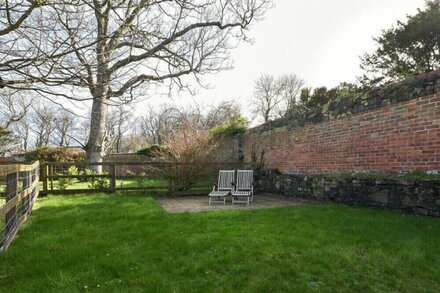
403 136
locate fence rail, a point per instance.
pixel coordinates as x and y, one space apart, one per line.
20 190
162 177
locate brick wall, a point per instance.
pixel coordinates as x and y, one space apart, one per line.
228 149
395 137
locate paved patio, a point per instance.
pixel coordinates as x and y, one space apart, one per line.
200 203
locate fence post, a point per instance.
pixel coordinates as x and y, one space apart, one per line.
11 193
26 184
170 179
51 174
44 178
112 175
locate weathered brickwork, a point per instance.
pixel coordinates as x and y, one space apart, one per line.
228 149
400 136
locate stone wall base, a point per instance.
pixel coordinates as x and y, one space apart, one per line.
412 196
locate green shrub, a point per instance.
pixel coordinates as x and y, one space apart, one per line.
100 183
153 151
95 182
237 124
141 177
56 154
63 183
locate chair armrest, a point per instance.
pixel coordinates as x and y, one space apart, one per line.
214 187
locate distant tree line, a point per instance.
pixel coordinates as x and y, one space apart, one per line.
33 125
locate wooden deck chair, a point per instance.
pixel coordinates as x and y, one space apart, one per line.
224 188
244 188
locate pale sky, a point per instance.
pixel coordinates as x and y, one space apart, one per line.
319 40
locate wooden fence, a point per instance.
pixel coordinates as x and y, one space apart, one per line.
20 190
160 177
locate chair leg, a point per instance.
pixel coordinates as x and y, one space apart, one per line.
224 200
209 201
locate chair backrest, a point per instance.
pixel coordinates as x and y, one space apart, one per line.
225 179
245 179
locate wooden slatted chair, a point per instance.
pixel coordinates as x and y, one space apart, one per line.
244 189
224 188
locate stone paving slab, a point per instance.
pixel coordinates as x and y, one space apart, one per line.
200 203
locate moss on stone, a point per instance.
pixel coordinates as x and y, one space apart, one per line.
413 175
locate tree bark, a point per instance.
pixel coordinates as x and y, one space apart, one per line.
95 147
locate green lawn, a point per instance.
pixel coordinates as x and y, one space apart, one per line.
160 184
120 243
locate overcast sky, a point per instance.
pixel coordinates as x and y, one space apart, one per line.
319 40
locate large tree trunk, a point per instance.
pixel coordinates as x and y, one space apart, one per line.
96 143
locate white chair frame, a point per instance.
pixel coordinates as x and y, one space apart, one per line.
244 188
224 188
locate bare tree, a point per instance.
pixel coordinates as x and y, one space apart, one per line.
64 123
22 130
107 50
16 52
208 117
13 109
134 141
118 124
267 98
42 124
14 13
290 90
157 125
81 132
273 97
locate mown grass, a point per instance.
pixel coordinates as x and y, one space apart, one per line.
128 243
159 184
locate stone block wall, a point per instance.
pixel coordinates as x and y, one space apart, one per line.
412 196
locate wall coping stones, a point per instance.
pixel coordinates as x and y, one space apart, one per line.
422 85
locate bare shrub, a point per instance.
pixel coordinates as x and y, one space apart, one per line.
190 154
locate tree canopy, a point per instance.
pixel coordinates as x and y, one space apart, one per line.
409 48
114 51
322 95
